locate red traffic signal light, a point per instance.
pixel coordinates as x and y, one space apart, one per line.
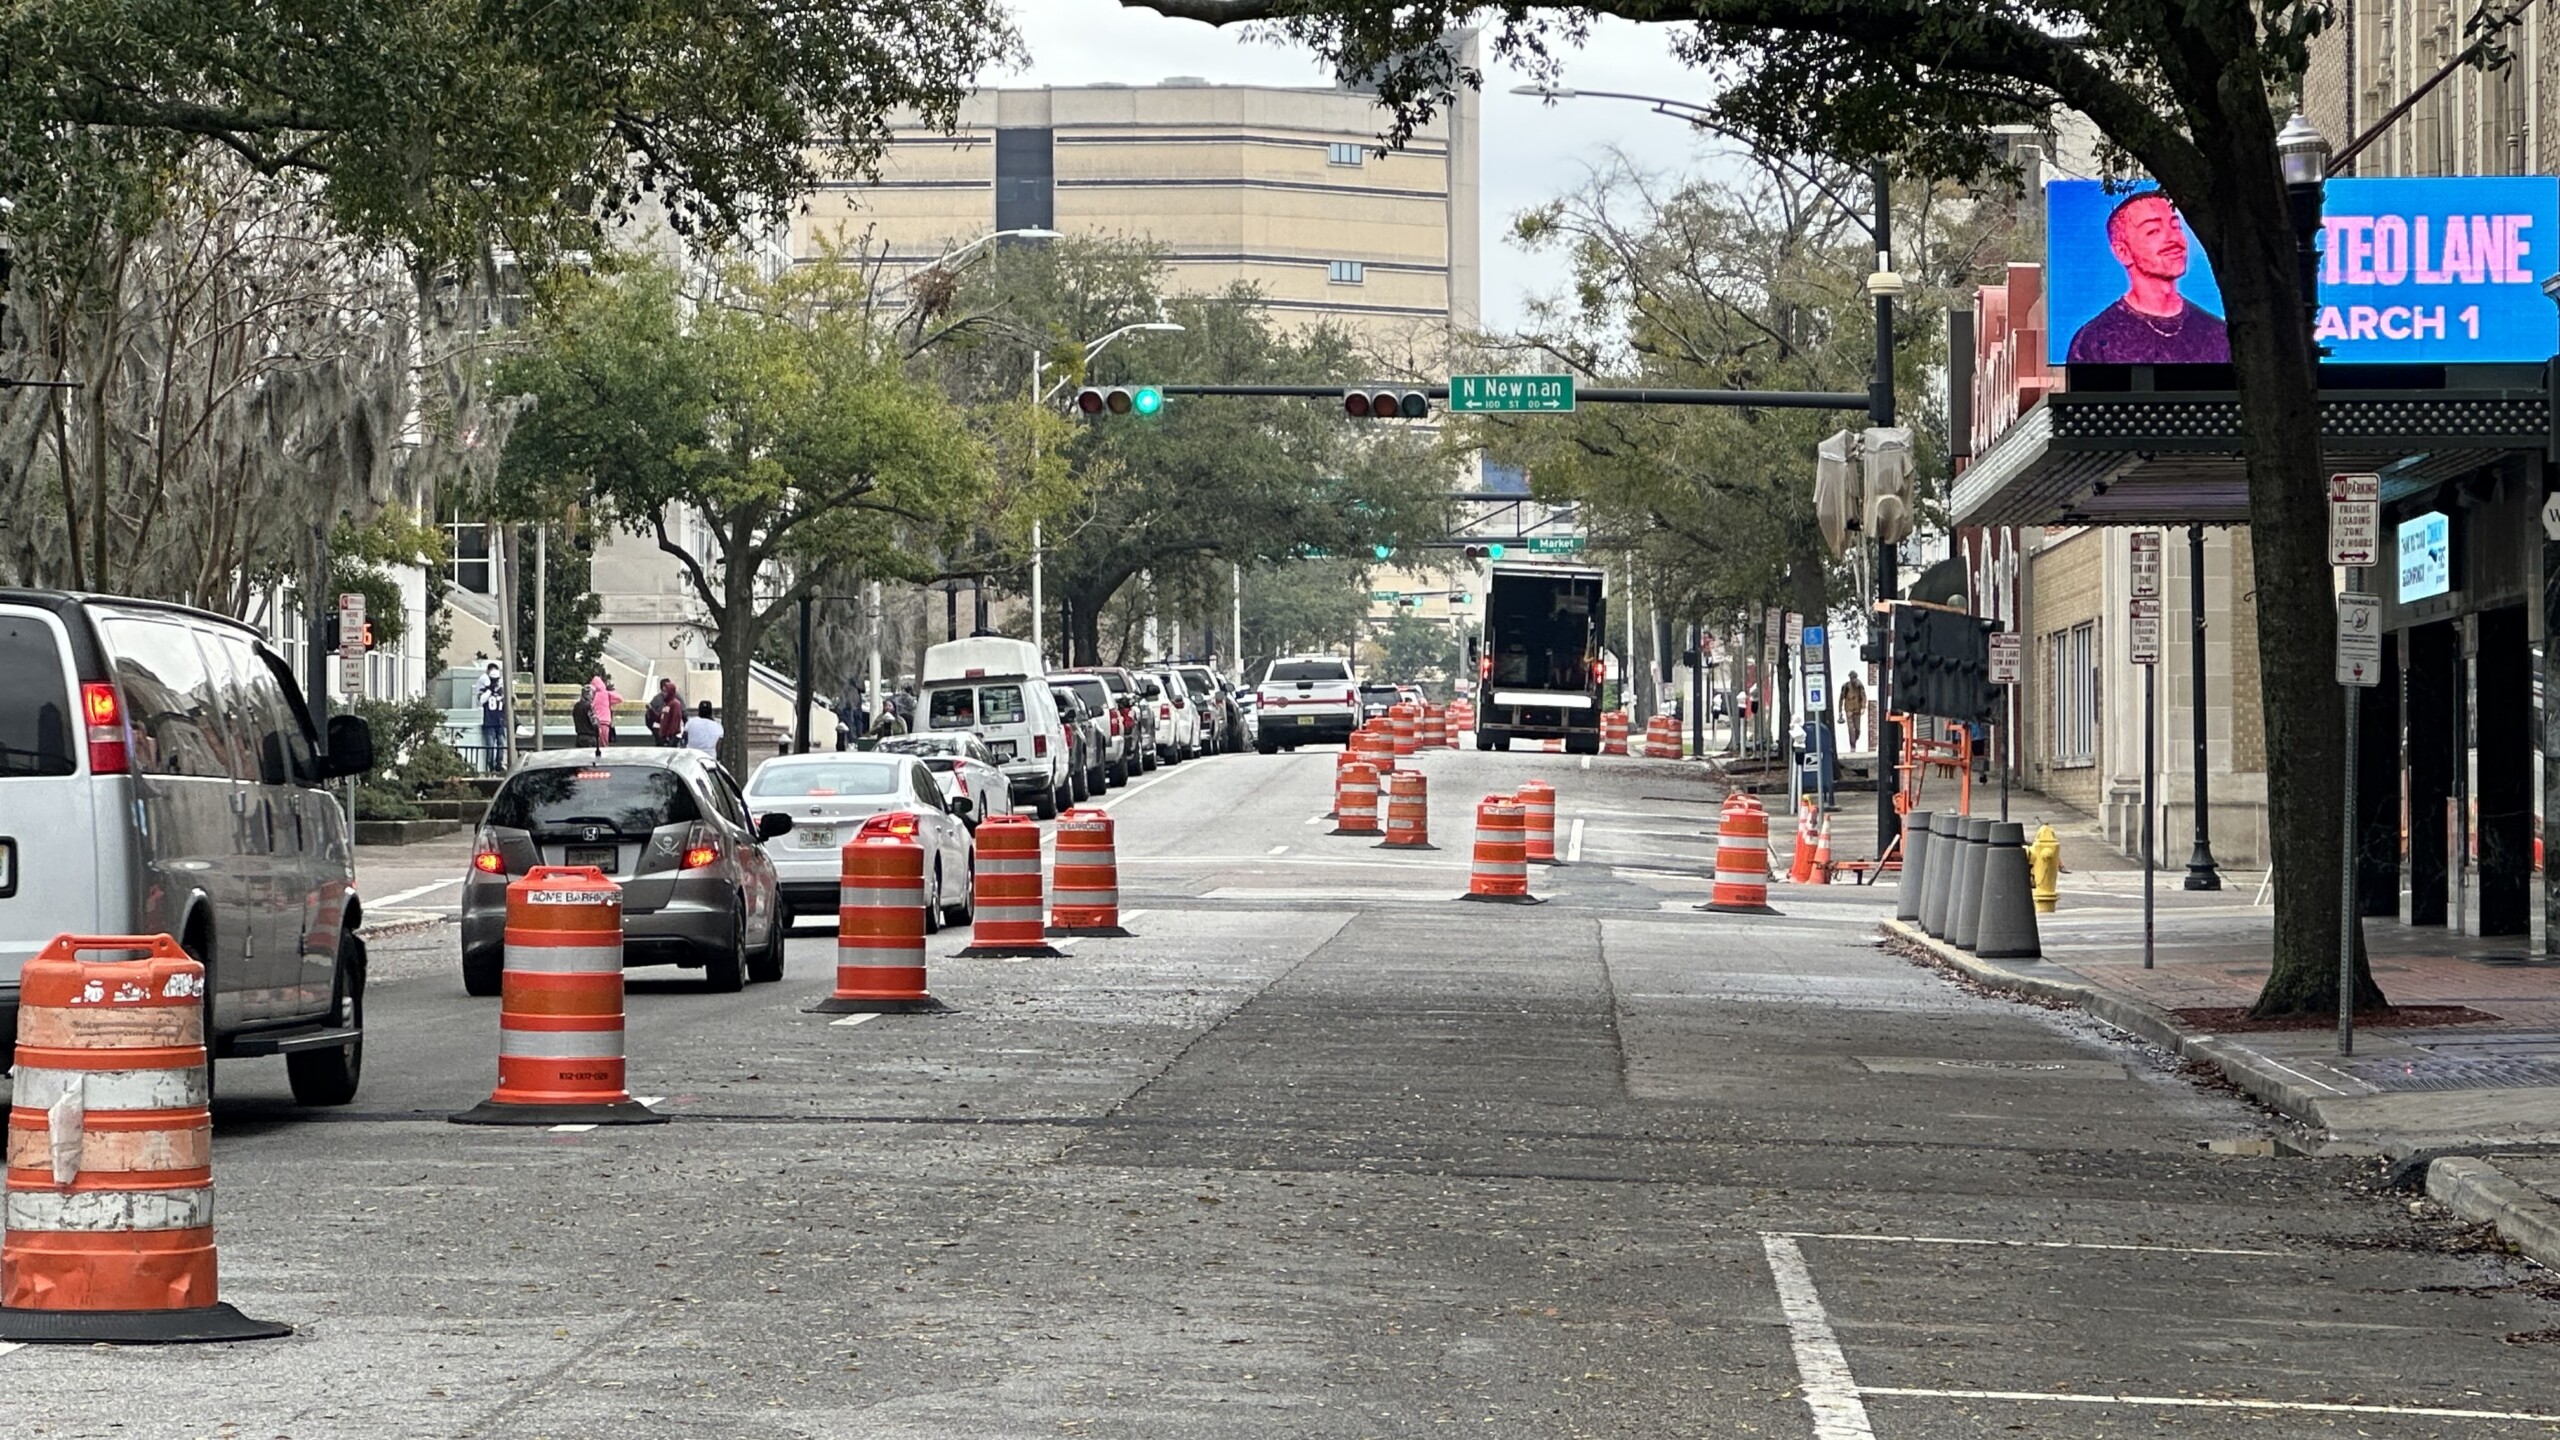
1385 404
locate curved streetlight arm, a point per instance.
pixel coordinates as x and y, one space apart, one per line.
1699 117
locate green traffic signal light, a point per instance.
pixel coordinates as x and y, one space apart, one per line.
1493 552
1146 400
1383 551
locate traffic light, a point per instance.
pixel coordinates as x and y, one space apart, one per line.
1886 451
1385 404
1484 552
1382 551
1139 400
1942 663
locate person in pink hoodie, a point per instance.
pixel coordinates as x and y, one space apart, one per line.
600 703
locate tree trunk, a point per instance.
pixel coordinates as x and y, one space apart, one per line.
2302 705
740 632
1084 632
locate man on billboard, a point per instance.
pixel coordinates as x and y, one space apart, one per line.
2151 323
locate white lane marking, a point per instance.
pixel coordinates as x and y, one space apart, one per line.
571 1129
1586 762
2310 1079
6 1348
1128 915
648 1099
2322 1407
1573 844
1279 850
1066 943
1315 819
2027 1244
414 891
854 1020
1139 788
1830 1392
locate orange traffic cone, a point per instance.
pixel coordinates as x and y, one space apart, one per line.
110 1186
1822 853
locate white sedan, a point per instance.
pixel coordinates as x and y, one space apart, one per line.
830 795
966 768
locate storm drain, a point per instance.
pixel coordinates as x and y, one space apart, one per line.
2441 1072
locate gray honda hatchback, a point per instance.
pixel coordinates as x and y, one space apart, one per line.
669 826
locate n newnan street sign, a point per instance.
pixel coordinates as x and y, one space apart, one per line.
1489 394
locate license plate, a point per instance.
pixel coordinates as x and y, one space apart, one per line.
1002 749
1306 719
816 837
603 857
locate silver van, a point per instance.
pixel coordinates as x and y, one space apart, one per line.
159 774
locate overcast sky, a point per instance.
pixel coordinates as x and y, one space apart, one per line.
1533 151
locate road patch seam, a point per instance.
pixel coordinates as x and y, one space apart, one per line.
2529 1227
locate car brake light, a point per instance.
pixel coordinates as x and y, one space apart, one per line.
109 753
1484 667
1039 746
697 856
1597 674
489 862
896 822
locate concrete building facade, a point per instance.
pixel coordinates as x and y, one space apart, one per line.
2503 121
1283 189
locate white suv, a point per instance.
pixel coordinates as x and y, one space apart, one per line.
1305 698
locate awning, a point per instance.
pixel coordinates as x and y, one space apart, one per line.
2173 457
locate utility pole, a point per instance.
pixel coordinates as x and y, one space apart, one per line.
541 627
1880 414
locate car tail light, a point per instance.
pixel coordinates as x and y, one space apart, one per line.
1484 667
489 862
1598 668
900 823
1039 747
701 848
110 753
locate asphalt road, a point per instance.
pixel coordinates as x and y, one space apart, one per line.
1325 1152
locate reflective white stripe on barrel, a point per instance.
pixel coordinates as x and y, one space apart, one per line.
1007 864
564 959
1023 913
111 1210
560 1044
891 897
174 1089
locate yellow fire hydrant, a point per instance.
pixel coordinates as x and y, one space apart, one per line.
2044 861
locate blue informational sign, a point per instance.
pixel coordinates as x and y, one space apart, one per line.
2413 272
2426 557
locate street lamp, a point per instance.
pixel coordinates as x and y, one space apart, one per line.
2302 155
1039 397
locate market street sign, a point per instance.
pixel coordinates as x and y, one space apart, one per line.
2359 639
1487 394
2355 519
1386 596
1555 544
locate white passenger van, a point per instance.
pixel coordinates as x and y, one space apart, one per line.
159 775
996 688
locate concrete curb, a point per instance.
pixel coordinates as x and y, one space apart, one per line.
2481 1192
2471 1188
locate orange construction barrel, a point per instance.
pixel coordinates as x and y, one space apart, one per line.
560 1006
1408 812
1009 908
1355 799
880 903
1085 883
1538 798
1500 872
1742 859
110 1176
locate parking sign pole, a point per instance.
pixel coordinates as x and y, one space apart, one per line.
2355 541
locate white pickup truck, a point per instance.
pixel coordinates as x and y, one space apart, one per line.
1303 699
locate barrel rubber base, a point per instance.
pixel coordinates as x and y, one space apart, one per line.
1092 932
1737 909
1550 860
1392 845
203 1325
1337 830
859 1005
627 1112
1505 899
1011 952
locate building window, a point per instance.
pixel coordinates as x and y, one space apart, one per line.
1341 154
468 563
1347 272
2071 682
1026 178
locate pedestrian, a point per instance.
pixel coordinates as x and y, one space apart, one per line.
600 703
702 732
887 724
492 698
1853 708
665 713
904 702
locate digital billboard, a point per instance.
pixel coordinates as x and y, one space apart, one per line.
2413 272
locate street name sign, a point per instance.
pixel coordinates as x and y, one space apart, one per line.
1386 595
1556 544
2355 519
2005 657
1493 394
2146 564
2359 639
2145 641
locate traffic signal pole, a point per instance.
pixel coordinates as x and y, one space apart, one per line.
1880 414
1596 395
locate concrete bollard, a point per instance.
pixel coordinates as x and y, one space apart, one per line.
2008 927
1943 832
1915 864
1964 905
